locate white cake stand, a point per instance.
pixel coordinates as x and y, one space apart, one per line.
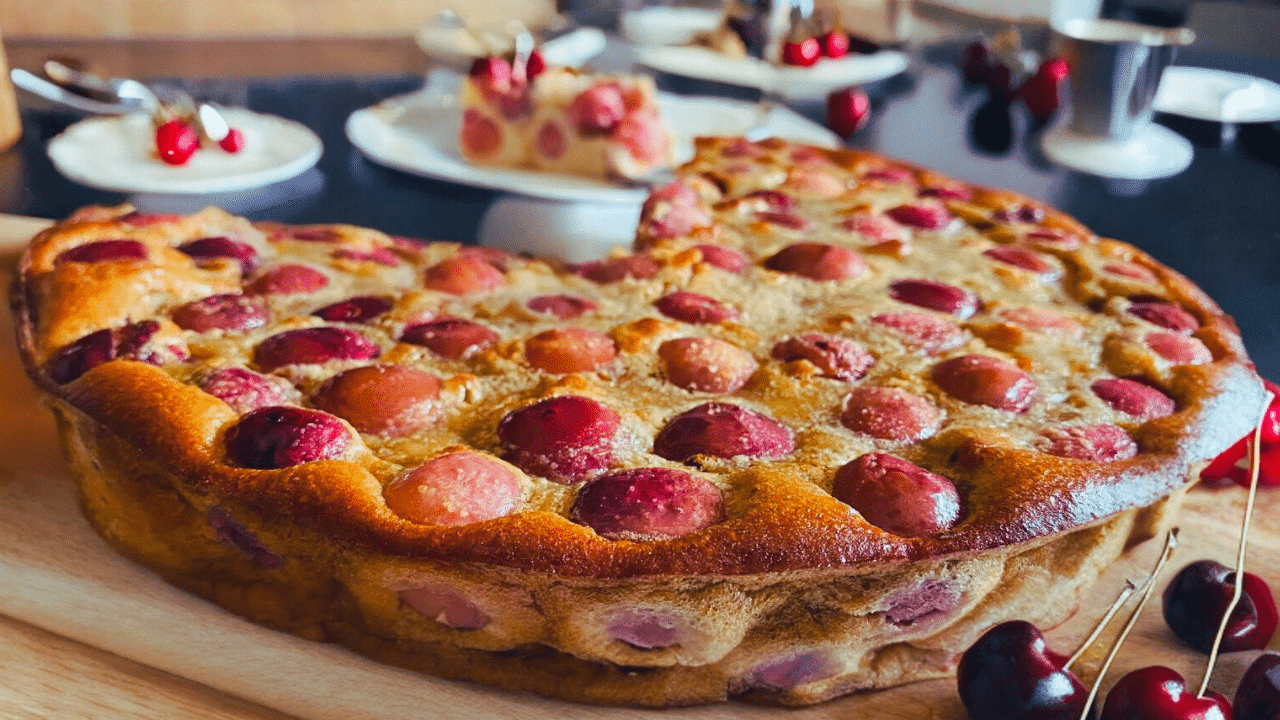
1152 151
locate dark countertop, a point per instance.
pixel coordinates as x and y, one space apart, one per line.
1218 222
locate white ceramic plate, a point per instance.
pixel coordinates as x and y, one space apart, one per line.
457 47
662 25
795 83
118 154
417 133
1217 95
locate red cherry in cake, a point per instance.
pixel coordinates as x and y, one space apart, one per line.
312 346
722 430
1197 597
890 414
1134 398
612 270
221 312
935 296
598 109
450 337
1010 673
986 380
233 142
281 437
1170 316
288 279
492 73
1258 694
647 504
848 110
706 364
929 333
245 390
833 356
208 248
564 307
103 251
362 308
896 495
834 44
454 489
386 400
693 308
1158 693
1041 91
563 438
176 142
569 350
818 261
802 53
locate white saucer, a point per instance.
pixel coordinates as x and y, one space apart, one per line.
662 25
793 83
418 133
118 154
1217 96
1153 151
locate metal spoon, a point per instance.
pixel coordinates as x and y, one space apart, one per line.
71 75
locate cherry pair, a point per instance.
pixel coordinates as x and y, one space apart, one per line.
1040 92
1012 674
807 51
177 140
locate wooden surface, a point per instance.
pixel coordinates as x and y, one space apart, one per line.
88 634
245 18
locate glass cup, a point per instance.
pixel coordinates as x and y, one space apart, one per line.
1115 71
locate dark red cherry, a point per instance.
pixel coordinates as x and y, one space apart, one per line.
1258 694
361 308
1011 674
1158 693
281 437
1197 597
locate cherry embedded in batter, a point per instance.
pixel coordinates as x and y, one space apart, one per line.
1198 596
1010 673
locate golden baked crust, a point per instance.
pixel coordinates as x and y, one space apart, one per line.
785 592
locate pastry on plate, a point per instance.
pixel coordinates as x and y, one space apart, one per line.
552 118
831 418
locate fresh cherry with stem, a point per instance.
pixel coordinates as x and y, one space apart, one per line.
1258 694
1158 693
1010 672
1196 600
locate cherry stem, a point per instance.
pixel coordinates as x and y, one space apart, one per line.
1255 450
1101 625
1170 543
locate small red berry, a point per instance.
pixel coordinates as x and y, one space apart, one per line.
977 61
535 65
848 110
233 142
1225 468
176 141
1271 420
803 53
1040 93
834 44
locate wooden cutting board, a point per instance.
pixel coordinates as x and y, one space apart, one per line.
187 658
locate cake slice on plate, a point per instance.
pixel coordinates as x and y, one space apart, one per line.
551 118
